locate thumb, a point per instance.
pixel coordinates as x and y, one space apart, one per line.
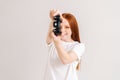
55 38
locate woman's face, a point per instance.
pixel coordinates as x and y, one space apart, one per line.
66 31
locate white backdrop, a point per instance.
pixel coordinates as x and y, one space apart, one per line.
23 29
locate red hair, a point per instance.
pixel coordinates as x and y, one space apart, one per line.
74 28
73 25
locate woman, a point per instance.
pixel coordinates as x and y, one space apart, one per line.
65 50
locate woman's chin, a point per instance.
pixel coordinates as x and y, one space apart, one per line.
64 39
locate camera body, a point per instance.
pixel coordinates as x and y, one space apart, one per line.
56 25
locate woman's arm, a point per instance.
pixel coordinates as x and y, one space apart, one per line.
51 15
49 38
65 56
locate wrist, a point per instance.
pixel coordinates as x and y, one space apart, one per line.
57 40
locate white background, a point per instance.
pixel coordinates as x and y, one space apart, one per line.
23 29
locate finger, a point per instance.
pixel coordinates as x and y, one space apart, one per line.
51 13
57 12
53 35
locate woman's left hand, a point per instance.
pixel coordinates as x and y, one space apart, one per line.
56 39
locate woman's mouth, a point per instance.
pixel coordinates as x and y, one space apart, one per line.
64 34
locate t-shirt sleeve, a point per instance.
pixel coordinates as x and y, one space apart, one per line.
48 45
79 49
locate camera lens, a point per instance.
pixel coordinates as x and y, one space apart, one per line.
55 24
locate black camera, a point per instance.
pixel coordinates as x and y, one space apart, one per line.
56 25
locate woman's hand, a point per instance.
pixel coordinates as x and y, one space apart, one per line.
51 36
54 13
55 38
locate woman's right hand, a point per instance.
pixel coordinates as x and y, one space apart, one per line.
50 31
54 13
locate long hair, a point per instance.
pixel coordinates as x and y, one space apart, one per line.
74 28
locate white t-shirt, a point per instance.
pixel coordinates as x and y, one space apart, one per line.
55 69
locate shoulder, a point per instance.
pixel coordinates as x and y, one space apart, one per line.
80 44
79 48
